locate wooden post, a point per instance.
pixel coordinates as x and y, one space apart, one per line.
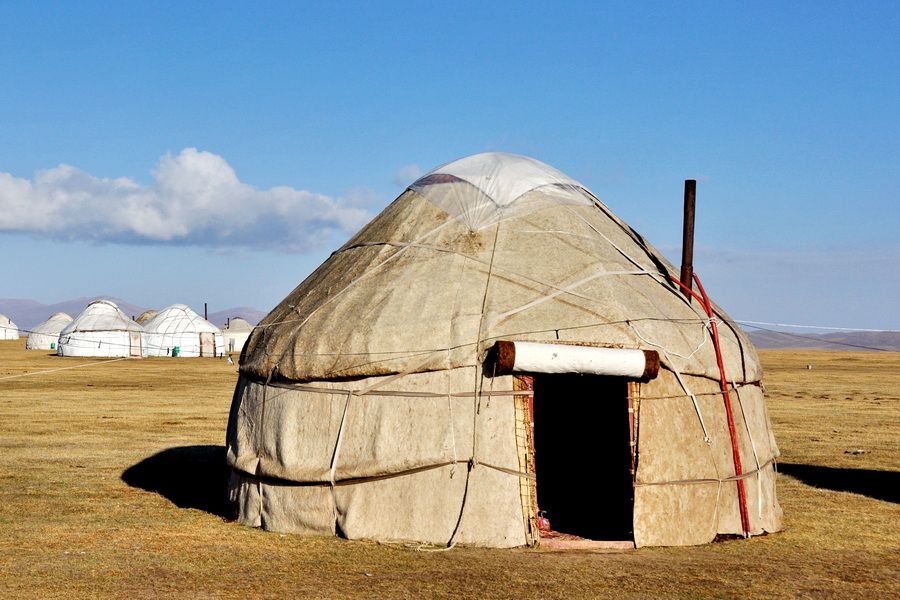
687 236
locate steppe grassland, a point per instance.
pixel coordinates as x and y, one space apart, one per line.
71 527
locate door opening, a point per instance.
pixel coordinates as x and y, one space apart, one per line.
134 343
207 344
582 455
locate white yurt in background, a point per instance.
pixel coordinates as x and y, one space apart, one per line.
8 329
179 331
45 335
236 333
101 329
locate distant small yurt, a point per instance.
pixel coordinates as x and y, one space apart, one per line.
146 316
236 333
45 335
101 329
8 329
179 331
498 360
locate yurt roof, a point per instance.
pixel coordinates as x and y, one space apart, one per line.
6 322
237 324
54 324
483 188
489 247
178 318
101 315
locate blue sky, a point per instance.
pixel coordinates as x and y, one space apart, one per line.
787 114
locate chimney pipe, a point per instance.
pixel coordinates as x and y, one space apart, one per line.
205 316
687 236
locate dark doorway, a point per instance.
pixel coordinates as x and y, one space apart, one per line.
583 455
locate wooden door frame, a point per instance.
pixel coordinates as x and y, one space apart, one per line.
523 386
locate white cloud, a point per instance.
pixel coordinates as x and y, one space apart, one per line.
196 199
406 174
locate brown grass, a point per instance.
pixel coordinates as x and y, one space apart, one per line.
70 526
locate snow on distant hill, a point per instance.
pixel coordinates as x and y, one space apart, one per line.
846 340
27 313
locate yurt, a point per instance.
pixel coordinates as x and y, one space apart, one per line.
101 329
179 331
45 335
146 316
8 329
236 333
498 360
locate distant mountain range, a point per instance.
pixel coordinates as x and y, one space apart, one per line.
28 313
847 340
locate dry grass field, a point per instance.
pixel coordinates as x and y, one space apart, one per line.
111 480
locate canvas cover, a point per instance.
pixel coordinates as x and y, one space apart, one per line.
179 326
363 406
45 335
101 329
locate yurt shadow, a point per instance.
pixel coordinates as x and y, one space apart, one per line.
188 476
880 485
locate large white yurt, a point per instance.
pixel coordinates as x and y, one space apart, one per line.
46 335
8 329
179 331
236 332
498 360
101 329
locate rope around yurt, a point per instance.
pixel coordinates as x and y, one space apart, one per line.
723 382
